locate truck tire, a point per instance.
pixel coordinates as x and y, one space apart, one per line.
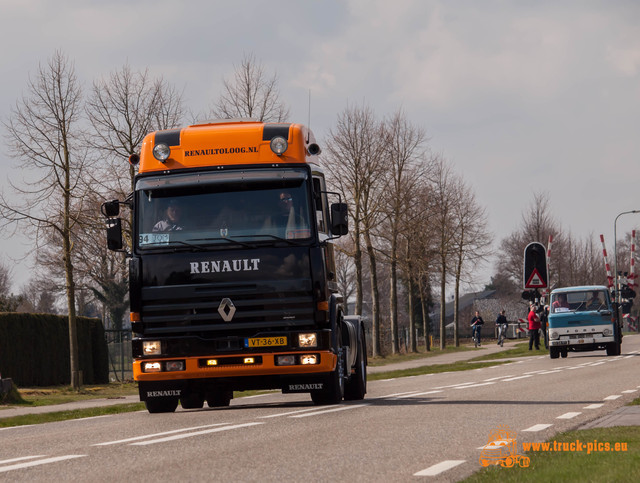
163 405
334 390
356 386
219 399
192 401
564 353
554 352
613 349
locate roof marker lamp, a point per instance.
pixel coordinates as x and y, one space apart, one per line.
161 152
279 145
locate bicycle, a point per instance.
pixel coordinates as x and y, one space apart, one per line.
502 334
475 334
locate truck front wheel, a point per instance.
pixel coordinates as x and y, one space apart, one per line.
356 387
162 405
219 399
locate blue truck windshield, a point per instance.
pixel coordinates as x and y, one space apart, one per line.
198 211
579 301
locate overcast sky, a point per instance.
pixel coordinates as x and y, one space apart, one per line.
521 96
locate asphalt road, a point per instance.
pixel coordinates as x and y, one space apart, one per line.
418 428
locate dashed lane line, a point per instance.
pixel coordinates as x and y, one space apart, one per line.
147 436
594 406
22 458
196 433
612 397
569 415
435 470
537 427
333 410
45 461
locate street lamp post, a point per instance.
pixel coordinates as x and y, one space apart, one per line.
615 254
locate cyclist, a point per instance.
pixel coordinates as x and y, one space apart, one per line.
501 325
476 329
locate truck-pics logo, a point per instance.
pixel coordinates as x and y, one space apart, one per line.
502 449
218 266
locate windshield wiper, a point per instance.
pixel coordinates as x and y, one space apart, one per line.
227 239
274 237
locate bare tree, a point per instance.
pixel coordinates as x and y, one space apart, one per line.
44 135
122 110
354 161
444 200
251 94
404 149
537 224
8 301
472 241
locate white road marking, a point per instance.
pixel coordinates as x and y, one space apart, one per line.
147 436
496 378
537 427
629 391
340 408
597 363
515 378
551 372
397 394
454 385
594 406
19 466
569 415
418 394
294 412
22 458
197 433
476 385
439 468
611 398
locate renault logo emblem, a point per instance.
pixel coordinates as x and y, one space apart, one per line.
226 309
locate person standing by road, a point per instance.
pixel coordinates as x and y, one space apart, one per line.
476 328
534 328
501 325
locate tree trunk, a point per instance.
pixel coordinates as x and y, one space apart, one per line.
375 299
425 322
393 297
443 301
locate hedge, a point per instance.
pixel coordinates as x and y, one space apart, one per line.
34 349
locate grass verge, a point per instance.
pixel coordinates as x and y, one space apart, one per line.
29 419
583 466
519 350
433 369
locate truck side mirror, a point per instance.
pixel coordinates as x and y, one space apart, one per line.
114 234
110 208
339 219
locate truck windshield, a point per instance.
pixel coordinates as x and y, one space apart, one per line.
579 301
181 212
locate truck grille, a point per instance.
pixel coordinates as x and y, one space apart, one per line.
193 309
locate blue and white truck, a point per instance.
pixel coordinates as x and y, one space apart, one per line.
583 319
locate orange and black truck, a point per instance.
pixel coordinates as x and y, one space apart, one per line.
232 275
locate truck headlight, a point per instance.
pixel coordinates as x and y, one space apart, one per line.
607 331
308 340
151 347
554 335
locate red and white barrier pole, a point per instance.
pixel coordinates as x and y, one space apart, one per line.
606 263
